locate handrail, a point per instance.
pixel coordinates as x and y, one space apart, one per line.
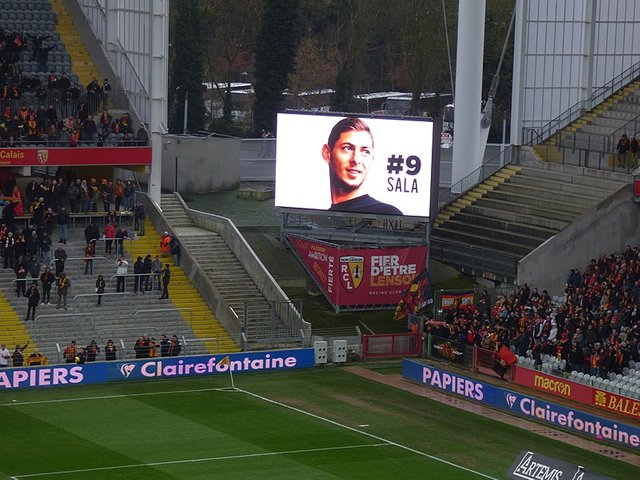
53 261
96 294
597 96
480 174
24 280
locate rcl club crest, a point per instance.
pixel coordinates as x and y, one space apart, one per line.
43 156
351 271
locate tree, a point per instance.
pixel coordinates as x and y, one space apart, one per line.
276 47
229 36
186 67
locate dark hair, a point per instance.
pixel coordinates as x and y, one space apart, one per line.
345 125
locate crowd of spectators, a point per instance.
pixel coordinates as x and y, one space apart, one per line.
594 327
52 109
144 347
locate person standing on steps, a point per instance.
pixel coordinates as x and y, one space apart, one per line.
166 278
174 248
89 253
146 269
138 268
63 225
63 290
60 256
121 271
100 286
47 278
164 244
156 268
140 216
33 296
121 236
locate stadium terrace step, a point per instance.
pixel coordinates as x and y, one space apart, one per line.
493 214
219 264
186 298
522 228
121 317
491 241
527 209
541 202
514 214
13 331
83 65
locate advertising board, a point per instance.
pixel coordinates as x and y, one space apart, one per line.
533 466
162 367
577 392
78 156
526 406
358 165
358 276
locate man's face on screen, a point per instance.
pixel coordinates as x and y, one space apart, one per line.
349 159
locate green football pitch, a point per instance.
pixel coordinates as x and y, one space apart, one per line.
313 424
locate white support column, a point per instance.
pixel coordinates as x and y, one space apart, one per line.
467 155
518 73
588 45
158 91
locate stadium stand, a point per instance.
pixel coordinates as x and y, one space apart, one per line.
590 335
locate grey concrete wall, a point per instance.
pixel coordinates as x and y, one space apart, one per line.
204 164
607 228
190 265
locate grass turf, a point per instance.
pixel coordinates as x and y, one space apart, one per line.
353 428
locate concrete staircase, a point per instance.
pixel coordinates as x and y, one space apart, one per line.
186 298
121 317
13 331
590 131
81 61
517 209
223 269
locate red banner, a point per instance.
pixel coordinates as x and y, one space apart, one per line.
349 277
450 300
33 157
577 392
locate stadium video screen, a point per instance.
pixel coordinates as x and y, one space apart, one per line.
354 164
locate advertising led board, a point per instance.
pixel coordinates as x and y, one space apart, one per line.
163 367
356 165
360 276
522 405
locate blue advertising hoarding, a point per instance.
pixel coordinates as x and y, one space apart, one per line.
532 408
161 367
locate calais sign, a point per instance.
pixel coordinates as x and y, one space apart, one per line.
78 156
532 408
164 367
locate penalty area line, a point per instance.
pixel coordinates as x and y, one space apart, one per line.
370 435
197 460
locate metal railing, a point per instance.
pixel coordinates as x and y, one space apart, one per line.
76 328
186 343
504 157
475 260
89 295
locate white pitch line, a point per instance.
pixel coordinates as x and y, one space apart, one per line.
198 460
370 435
109 397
